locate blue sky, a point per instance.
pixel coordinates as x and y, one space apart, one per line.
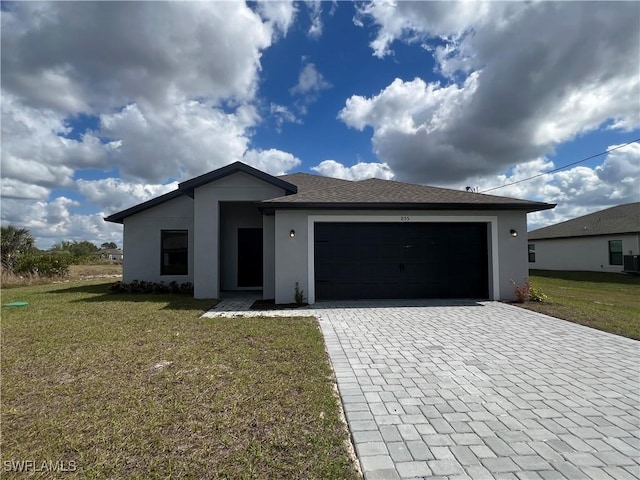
108 104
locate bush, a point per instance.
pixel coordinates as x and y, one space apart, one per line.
536 295
42 265
142 286
527 293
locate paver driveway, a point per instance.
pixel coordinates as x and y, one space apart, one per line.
482 390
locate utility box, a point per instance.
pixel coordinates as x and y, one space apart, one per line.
631 264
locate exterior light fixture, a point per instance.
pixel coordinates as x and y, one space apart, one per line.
513 233
292 233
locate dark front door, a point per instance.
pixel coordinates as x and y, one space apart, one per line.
249 257
401 260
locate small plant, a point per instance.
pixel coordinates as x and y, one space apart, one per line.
298 295
537 295
521 292
527 293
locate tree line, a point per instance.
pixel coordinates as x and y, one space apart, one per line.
21 256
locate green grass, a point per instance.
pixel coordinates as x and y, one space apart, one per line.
606 301
83 382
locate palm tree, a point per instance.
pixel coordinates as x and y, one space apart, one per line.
13 243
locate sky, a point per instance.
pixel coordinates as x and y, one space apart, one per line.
108 104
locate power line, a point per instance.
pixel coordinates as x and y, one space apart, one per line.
563 167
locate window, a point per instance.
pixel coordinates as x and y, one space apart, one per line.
615 252
532 253
175 252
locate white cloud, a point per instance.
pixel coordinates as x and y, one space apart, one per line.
622 169
35 150
310 81
12 188
576 191
281 114
51 222
114 194
359 171
272 161
280 13
418 21
315 13
173 86
190 139
65 56
512 94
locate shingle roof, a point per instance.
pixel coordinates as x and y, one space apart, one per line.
332 193
615 220
307 182
377 193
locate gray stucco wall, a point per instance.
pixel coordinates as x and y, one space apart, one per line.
236 187
269 249
142 240
581 254
294 261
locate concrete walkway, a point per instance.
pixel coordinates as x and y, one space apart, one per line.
481 390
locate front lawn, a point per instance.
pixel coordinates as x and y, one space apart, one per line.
606 301
123 386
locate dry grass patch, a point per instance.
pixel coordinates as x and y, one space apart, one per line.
76 272
606 301
140 387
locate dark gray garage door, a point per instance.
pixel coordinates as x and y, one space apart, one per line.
401 260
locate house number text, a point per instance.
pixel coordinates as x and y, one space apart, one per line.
405 219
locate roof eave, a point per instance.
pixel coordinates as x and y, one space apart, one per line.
270 206
607 234
119 217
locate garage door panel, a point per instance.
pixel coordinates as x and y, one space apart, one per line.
401 260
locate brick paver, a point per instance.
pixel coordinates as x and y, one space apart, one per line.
481 390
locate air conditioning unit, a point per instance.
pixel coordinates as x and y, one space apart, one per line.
631 264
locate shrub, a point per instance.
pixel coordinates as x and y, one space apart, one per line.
142 286
42 265
536 295
298 295
527 293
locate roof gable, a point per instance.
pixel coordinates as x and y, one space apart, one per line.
615 220
187 188
190 185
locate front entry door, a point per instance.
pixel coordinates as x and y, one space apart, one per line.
249 257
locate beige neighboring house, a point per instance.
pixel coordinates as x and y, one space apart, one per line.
604 241
238 228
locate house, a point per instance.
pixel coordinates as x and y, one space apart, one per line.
238 228
109 254
597 242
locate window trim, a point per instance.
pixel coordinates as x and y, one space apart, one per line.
617 253
531 250
163 250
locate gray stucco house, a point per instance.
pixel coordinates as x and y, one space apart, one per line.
598 242
239 228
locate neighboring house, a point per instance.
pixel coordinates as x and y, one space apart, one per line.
596 242
239 228
109 254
